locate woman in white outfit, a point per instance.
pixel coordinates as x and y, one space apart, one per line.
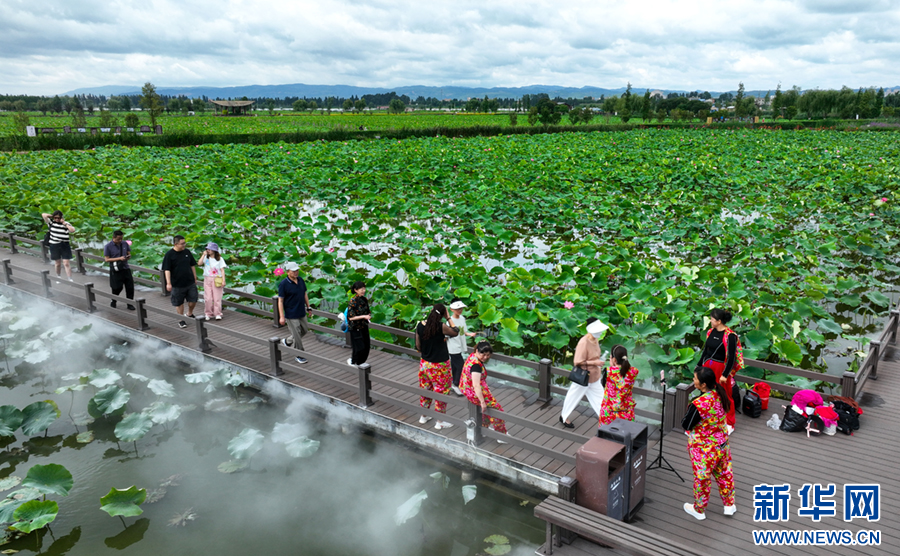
587 356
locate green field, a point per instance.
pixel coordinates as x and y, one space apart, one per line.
795 232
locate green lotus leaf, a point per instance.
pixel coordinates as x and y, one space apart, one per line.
526 316
410 508
161 388
101 378
124 502
199 378
510 324
555 338
685 355
9 482
133 427
108 401
39 416
878 299
34 515
162 412
138 377
10 420
645 329
49 479
85 437
233 466
830 326
468 493
490 316
301 447
511 338
8 507
676 333
71 388
244 445
496 539
789 350
498 549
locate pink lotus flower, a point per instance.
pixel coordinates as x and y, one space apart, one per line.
331 249
128 241
279 272
75 169
871 214
160 179
114 181
884 199
187 166
568 304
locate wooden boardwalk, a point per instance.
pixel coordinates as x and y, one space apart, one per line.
761 455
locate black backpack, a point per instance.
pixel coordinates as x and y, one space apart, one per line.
752 406
848 417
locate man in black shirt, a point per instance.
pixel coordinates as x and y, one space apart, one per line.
181 277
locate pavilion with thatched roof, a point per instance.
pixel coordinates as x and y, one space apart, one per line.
234 107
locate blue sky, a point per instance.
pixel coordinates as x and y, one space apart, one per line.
52 46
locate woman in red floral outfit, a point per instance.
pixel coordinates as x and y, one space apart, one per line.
473 384
618 402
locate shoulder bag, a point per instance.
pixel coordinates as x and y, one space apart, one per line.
580 376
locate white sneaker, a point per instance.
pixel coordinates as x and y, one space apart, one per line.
456 390
287 342
730 510
207 318
424 419
219 317
689 508
350 362
442 425
729 429
71 279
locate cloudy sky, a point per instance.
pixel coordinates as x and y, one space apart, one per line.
53 46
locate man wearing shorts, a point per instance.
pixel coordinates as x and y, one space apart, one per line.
60 249
181 277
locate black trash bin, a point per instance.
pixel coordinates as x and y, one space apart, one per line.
600 468
634 437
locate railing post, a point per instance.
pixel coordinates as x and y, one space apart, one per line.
90 297
79 261
473 425
848 385
45 280
7 272
202 342
682 393
565 489
12 243
544 380
875 353
276 316
895 315
365 385
669 417
141 313
162 281
45 252
275 357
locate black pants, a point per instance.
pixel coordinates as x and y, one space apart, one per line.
456 365
122 279
359 341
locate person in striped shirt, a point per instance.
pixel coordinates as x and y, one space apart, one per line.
60 249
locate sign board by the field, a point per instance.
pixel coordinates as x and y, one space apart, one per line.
30 131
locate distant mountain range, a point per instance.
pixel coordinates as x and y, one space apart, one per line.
344 91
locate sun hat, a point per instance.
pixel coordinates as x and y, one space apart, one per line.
597 328
457 305
212 247
292 267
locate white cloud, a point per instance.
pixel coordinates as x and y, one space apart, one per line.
51 46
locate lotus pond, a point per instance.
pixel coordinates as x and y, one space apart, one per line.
108 446
795 232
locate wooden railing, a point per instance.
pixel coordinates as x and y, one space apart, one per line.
851 384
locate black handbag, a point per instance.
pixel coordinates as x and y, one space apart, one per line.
579 376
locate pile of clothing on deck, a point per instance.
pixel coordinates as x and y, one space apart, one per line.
808 412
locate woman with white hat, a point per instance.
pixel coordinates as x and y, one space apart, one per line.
457 345
587 356
213 281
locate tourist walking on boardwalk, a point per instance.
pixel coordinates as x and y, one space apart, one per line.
116 253
213 281
708 447
358 317
434 367
474 385
457 345
618 398
587 356
293 305
721 352
180 268
60 248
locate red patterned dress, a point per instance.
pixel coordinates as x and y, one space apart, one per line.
618 402
468 389
709 451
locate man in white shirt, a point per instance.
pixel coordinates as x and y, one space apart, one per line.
457 345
